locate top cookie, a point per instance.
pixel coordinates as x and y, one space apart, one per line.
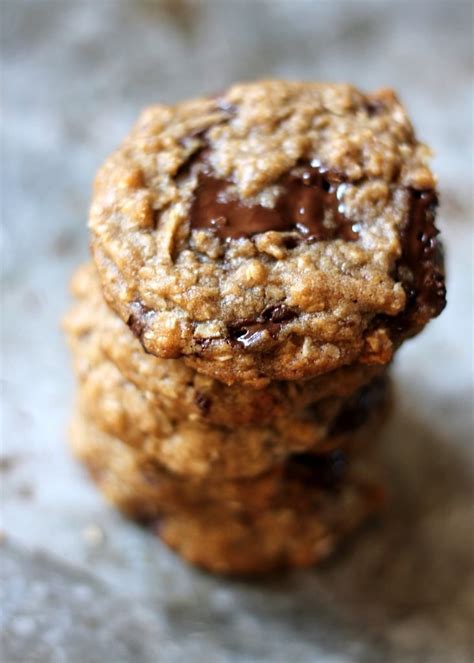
276 231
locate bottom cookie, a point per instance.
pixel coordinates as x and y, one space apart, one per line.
236 543
294 515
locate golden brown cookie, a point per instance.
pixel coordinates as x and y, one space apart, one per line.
280 230
94 331
291 516
192 446
233 543
196 449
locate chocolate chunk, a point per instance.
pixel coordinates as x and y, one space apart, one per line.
420 268
268 323
137 319
307 204
248 333
422 252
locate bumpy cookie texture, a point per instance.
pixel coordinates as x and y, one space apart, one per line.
158 491
292 516
189 445
179 390
197 450
277 231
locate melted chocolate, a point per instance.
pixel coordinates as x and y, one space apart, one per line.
249 332
420 268
137 319
422 252
308 204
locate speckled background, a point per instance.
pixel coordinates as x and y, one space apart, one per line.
81 585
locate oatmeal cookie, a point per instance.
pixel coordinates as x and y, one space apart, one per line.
193 447
233 543
196 449
277 231
96 332
291 516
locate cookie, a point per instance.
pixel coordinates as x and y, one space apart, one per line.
194 447
277 231
237 544
94 331
125 473
291 516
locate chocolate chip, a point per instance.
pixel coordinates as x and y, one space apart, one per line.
138 318
251 332
203 402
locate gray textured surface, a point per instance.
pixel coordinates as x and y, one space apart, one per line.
81 585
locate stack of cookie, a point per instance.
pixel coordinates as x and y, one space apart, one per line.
257 259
